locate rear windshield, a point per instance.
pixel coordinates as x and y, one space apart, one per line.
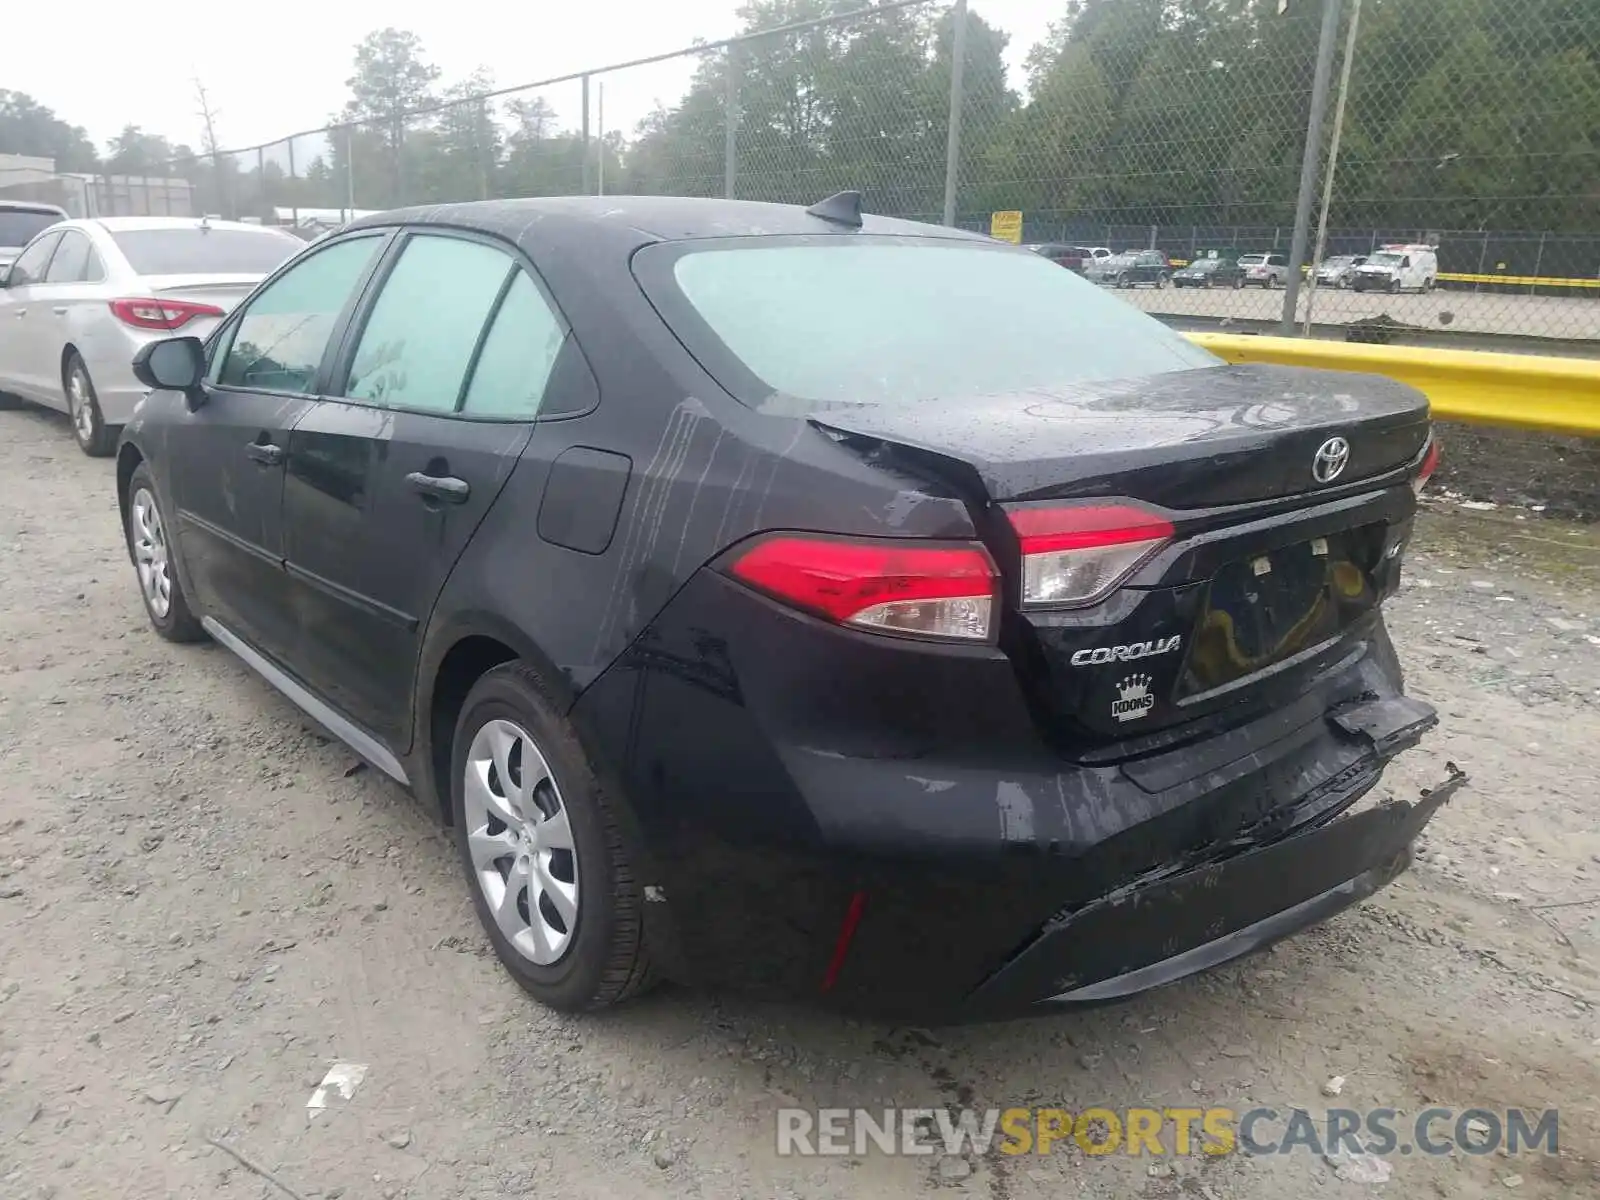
19 228
1252 260
197 251
797 323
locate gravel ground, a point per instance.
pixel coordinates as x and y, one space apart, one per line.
204 903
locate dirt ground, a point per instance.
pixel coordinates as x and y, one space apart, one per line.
204 904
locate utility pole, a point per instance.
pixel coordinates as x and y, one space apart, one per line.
1333 161
1310 160
952 145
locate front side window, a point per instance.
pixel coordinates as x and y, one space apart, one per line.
279 342
419 339
31 263
893 320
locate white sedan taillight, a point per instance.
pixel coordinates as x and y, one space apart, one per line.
1074 555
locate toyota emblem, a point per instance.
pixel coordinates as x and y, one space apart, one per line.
1330 461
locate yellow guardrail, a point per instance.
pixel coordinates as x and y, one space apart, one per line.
1549 281
1519 391
1520 280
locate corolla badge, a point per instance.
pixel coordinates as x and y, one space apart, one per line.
1330 460
1109 654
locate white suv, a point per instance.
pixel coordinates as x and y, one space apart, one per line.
1262 270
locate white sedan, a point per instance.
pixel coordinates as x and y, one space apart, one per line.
85 295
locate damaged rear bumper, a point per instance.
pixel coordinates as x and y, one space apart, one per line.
1147 936
884 829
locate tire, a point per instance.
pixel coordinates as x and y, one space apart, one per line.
89 429
594 955
1122 281
1238 284
1428 285
1161 281
1394 287
146 529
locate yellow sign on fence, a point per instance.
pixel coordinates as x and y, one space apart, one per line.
1007 226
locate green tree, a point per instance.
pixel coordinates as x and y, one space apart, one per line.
29 128
392 79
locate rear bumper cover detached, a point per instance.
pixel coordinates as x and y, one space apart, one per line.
863 822
1214 913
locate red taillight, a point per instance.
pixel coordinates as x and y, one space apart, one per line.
1430 464
945 592
1078 554
144 313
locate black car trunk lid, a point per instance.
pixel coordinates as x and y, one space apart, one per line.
1275 557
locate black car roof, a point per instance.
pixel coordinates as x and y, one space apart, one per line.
644 218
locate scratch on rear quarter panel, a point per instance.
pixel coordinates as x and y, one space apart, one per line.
654 488
1016 811
901 507
694 498
761 506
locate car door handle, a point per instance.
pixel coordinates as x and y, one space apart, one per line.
265 453
436 487
60 310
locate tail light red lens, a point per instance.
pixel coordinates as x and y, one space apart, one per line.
942 592
1078 554
1430 464
142 313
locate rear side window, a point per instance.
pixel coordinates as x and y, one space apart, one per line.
419 340
18 227
517 356
71 261
195 250
796 322
279 342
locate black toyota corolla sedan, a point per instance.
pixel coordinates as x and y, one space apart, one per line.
821 604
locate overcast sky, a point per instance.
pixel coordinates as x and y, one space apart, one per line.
281 67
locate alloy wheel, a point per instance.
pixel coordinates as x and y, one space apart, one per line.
150 553
520 840
82 405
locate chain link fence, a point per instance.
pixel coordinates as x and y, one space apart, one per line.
1464 132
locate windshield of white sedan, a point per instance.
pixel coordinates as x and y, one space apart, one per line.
198 251
884 322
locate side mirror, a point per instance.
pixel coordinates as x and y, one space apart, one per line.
175 364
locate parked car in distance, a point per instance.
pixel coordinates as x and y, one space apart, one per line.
827 605
1263 270
1398 269
1339 270
1208 273
85 295
20 222
1133 267
1074 258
